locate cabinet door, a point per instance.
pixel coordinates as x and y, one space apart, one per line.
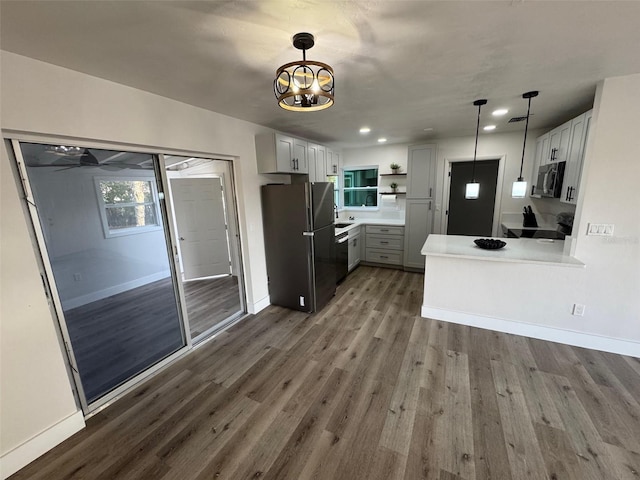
284 154
559 143
354 252
312 161
333 162
418 226
542 155
321 164
421 171
300 156
574 160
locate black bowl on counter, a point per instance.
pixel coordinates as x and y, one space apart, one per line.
489 243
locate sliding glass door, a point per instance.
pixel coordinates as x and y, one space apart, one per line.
102 220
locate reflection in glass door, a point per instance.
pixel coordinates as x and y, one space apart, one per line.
209 253
102 223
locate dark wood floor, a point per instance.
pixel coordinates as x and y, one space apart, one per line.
211 301
366 389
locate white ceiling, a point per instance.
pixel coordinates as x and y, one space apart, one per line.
400 66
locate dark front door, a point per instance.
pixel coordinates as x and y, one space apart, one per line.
472 217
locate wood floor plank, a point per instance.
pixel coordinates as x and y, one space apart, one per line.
525 456
626 462
558 452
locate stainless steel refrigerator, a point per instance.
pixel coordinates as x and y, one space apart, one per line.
299 236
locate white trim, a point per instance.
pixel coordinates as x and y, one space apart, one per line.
27 452
260 305
542 332
116 289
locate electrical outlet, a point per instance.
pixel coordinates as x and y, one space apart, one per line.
578 309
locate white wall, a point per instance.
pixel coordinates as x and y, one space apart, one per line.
610 194
536 300
39 98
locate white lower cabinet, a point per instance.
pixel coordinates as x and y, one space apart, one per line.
354 248
384 244
418 221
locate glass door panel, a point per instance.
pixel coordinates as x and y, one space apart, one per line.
103 226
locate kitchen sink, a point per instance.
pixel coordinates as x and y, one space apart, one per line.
343 225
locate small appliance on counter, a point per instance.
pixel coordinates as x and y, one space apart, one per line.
565 222
529 220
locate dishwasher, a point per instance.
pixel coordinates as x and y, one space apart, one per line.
342 256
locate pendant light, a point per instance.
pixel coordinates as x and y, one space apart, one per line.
519 188
304 86
473 188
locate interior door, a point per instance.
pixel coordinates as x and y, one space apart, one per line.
202 229
472 217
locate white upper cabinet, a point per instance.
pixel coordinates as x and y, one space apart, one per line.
321 164
333 162
312 161
573 171
421 172
278 153
559 143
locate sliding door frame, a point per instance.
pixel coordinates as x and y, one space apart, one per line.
14 138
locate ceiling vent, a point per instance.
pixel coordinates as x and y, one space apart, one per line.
518 119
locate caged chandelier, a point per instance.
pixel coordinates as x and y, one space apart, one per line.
304 86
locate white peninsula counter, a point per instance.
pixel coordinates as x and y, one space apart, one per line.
528 288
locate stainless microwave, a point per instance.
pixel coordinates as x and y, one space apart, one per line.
549 181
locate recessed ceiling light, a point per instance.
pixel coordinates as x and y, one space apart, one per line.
382 140
499 112
365 130
429 129
488 128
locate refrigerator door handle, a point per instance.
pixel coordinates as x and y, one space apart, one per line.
307 234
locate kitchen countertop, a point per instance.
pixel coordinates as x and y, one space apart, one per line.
517 250
369 221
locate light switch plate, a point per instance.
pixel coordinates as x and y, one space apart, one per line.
601 229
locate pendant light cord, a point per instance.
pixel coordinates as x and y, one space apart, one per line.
475 151
524 144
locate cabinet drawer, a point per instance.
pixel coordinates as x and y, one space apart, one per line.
385 230
393 242
382 256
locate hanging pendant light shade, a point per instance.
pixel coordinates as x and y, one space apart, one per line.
304 86
472 190
519 188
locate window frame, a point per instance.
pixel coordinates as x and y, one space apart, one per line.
120 232
344 189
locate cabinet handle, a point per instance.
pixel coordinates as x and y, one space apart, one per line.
335 169
554 152
570 193
383 256
384 229
430 192
355 242
383 243
429 205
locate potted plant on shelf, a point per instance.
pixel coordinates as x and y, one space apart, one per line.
395 168
394 186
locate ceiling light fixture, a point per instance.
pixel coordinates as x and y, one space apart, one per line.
519 188
500 112
473 188
304 86
365 130
382 140
488 128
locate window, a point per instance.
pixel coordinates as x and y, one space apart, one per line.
360 187
128 205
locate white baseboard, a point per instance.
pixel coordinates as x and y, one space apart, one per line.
260 305
116 289
22 455
542 332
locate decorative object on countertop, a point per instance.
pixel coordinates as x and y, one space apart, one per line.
519 188
472 189
529 217
395 168
304 86
489 243
565 222
393 186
